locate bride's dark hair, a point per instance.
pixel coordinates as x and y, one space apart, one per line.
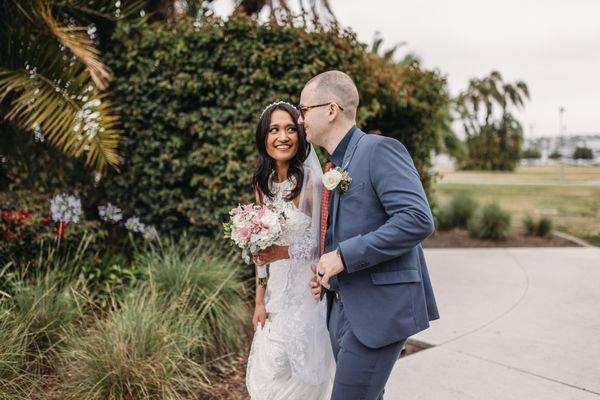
266 164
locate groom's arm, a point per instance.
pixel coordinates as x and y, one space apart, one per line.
397 184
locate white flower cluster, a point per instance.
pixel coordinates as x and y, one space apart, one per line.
91 31
37 130
134 225
87 120
65 208
150 233
110 213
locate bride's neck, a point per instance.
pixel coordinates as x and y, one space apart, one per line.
281 171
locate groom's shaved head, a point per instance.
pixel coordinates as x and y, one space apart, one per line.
338 87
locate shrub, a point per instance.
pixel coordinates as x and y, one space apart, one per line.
543 227
555 155
531 154
529 226
583 153
13 352
168 334
38 309
36 315
107 275
457 212
489 222
139 351
46 310
206 278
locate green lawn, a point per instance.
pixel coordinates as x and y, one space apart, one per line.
547 175
574 207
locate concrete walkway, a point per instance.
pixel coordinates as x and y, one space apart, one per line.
516 324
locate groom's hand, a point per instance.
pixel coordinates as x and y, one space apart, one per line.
330 264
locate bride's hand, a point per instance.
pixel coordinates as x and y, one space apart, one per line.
260 316
270 254
315 285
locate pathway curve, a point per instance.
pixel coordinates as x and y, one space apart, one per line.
517 323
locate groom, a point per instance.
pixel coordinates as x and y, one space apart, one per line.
372 263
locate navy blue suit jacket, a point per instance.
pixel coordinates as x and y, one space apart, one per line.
379 224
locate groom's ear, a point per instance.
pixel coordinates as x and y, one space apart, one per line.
332 112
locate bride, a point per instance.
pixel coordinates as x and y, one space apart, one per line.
291 355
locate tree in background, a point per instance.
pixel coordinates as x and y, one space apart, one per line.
555 155
531 154
493 135
414 89
583 153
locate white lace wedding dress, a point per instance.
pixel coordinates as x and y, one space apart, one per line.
291 356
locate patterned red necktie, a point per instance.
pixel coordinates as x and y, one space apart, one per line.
325 196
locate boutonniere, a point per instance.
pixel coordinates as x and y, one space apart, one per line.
337 179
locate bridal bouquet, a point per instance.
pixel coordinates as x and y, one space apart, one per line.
253 228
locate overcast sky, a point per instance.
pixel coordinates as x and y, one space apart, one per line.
554 46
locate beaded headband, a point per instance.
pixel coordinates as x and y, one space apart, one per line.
276 104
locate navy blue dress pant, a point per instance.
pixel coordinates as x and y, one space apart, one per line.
361 372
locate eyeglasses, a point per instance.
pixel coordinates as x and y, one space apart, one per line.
304 109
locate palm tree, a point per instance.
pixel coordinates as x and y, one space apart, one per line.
52 78
511 94
487 94
493 142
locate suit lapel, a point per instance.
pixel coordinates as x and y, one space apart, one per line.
356 136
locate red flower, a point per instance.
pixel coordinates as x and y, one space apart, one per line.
46 220
6 235
23 214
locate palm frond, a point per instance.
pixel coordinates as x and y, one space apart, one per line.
75 121
75 39
50 76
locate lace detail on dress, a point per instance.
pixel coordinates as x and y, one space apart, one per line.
296 322
298 224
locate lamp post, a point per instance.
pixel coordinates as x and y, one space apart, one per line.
561 112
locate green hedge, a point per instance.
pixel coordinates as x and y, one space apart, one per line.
190 99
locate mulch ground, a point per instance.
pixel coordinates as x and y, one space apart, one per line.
231 385
460 238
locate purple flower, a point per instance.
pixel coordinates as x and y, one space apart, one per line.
134 224
110 213
65 208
